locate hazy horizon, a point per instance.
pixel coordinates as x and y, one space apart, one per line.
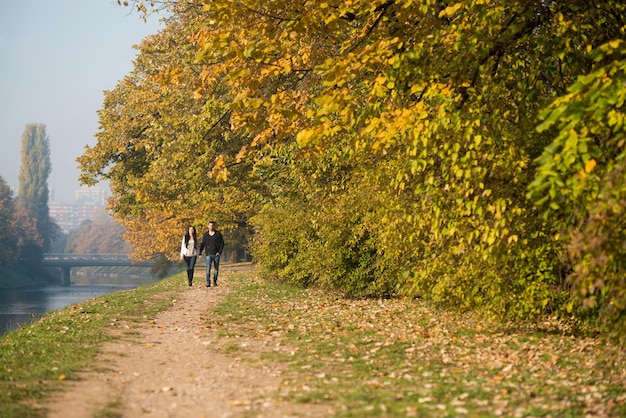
56 59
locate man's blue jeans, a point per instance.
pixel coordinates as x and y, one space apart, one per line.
212 259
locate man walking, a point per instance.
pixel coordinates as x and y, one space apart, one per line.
213 244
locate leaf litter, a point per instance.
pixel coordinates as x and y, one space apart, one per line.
393 357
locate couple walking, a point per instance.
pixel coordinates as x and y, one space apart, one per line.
213 245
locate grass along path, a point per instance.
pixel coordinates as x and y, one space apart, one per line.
37 358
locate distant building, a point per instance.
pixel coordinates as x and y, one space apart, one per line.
90 196
63 215
69 216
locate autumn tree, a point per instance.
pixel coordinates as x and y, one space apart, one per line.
32 200
430 110
386 147
102 235
414 145
8 236
159 141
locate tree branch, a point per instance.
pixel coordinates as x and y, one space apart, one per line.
381 9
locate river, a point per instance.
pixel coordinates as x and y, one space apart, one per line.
21 306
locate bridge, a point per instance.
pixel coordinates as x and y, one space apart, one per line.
65 262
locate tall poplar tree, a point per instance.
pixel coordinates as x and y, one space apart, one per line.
32 201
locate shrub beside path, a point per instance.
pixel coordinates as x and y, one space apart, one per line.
173 368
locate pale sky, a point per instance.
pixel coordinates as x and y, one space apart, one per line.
56 58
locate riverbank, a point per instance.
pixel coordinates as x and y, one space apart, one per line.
26 295
252 349
17 277
20 277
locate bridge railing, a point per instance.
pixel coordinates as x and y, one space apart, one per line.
78 256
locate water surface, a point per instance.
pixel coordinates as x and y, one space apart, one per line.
21 306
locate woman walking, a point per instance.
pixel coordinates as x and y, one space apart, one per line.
189 252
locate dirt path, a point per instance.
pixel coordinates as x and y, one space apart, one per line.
174 368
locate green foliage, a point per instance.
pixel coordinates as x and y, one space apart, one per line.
580 183
18 275
416 157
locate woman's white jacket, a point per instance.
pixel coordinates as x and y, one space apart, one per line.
184 252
